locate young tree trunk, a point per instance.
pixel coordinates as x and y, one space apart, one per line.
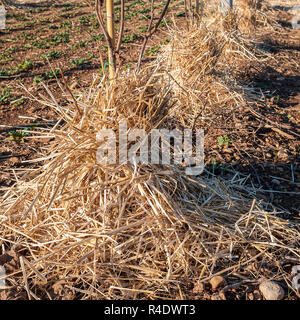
111 33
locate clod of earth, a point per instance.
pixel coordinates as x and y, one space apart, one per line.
271 290
216 282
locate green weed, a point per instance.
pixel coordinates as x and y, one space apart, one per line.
51 55
224 140
5 96
79 62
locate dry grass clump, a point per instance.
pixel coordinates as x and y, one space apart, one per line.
200 64
134 231
125 231
251 15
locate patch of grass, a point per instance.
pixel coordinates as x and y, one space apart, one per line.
51 55
44 20
68 7
180 14
153 50
164 22
79 62
145 17
5 96
129 38
27 36
25 66
28 24
37 80
224 140
66 15
99 37
216 168
81 5
18 135
81 44
91 55
51 74
4 72
84 20
36 10
52 26
40 44
127 66
17 102
5 57
143 29
61 38
11 50
129 15
96 25
144 10
165 42
66 24
19 16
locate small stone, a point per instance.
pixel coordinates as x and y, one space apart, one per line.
217 282
271 290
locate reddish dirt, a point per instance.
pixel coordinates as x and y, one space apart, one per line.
270 156
67 32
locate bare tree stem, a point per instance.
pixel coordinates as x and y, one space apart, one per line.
151 30
108 37
121 26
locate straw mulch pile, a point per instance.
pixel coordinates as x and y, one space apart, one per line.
252 14
201 69
139 231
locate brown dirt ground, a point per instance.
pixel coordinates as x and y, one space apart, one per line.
30 33
268 149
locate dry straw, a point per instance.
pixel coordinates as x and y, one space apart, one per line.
144 231
201 69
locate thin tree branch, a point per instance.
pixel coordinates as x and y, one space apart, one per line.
151 30
70 92
161 17
101 22
146 37
197 7
121 26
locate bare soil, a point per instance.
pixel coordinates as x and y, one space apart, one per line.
267 146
